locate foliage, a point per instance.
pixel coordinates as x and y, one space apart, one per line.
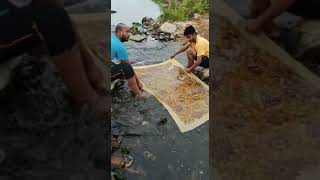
177 10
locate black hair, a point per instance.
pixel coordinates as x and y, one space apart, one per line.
119 27
189 30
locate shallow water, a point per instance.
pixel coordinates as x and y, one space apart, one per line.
133 11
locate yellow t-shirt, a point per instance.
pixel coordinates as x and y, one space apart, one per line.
201 46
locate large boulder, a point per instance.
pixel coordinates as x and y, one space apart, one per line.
168 28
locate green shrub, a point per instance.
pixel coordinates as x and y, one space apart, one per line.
182 9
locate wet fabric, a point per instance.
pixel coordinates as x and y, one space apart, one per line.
184 95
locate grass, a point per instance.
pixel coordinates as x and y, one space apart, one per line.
180 10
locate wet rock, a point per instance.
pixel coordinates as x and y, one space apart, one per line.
138 38
135 28
149 156
168 28
163 121
118 174
147 22
125 150
203 74
165 37
196 16
172 37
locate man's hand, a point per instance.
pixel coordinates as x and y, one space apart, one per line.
254 26
189 70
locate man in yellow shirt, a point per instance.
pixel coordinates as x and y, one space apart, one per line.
197 50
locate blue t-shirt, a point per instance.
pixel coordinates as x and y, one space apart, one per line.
118 50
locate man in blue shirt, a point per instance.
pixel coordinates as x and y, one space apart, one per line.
120 64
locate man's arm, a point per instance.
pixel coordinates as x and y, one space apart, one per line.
181 50
195 64
276 8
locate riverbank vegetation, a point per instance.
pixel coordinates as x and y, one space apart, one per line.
180 10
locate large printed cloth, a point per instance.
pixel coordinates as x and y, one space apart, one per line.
184 95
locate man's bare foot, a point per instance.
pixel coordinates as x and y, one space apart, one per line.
143 94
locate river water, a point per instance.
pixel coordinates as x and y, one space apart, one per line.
160 151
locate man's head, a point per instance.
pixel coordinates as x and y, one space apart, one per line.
190 33
122 31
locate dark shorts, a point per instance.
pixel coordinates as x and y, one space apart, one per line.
27 27
205 61
120 71
306 8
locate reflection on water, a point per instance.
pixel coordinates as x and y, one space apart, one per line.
133 11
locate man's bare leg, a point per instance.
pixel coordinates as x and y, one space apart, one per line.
75 78
133 85
139 83
257 7
191 53
94 73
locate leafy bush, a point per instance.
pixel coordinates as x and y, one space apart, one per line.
182 9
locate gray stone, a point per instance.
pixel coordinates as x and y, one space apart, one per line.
196 16
147 21
168 28
137 38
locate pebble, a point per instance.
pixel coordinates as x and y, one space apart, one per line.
149 155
